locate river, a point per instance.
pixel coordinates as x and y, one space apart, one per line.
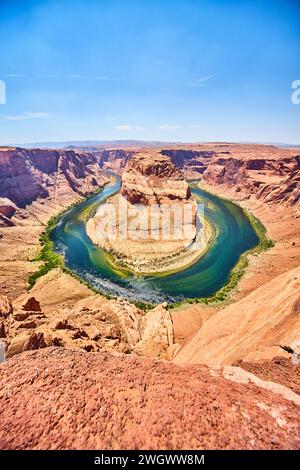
234 235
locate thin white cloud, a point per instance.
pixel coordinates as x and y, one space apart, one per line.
71 76
110 118
89 77
16 75
128 127
201 81
196 126
96 77
26 116
169 127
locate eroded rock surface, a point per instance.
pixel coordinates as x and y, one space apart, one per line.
265 172
151 178
65 399
253 329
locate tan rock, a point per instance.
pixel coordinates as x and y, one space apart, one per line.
151 178
25 342
252 329
156 332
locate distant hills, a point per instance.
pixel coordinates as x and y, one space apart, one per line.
97 143
103 144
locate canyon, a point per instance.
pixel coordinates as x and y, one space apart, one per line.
242 347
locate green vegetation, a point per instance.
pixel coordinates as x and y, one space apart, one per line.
52 260
47 255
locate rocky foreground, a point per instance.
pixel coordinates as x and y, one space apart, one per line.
67 399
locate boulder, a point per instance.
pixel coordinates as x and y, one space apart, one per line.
25 342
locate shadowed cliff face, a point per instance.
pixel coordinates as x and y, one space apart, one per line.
114 159
27 175
193 162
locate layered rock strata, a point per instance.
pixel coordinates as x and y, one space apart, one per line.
28 175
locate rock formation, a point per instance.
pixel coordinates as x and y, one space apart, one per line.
91 324
66 399
264 172
151 178
7 210
151 225
114 159
193 162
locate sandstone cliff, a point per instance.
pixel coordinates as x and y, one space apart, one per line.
193 162
264 172
258 327
114 159
151 178
28 175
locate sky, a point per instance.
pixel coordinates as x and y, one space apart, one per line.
180 70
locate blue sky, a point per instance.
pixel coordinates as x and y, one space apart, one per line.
180 70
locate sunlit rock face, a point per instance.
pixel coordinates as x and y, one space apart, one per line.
266 173
30 174
153 179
